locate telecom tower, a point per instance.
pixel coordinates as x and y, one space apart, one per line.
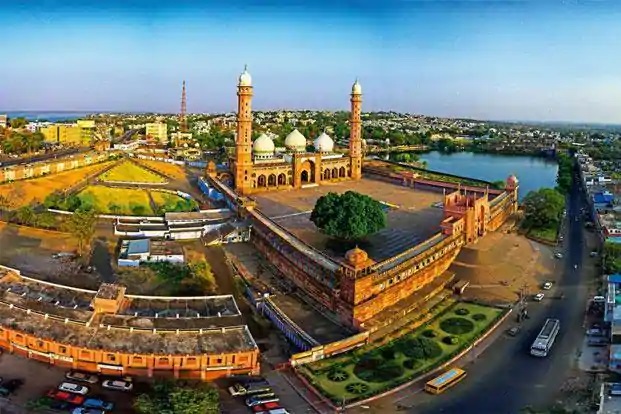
183 122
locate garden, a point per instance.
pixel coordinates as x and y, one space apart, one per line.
368 371
127 171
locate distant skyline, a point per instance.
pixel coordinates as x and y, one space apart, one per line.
518 60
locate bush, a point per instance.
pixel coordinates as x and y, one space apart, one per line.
377 370
388 352
411 363
420 348
430 333
357 388
337 375
450 340
457 326
462 311
479 317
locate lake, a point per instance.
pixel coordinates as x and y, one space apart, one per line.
532 172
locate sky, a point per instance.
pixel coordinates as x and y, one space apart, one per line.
500 60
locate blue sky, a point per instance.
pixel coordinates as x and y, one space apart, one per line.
539 60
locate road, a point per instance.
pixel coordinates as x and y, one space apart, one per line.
505 378
44 157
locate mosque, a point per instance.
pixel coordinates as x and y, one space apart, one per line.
259 166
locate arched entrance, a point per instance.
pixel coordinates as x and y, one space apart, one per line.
342 172
271 180
261 181
335 173
304 177
282 179
307 172
326 174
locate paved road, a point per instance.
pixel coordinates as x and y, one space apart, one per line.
506 378
45 157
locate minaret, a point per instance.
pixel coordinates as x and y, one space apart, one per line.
355 131
243 139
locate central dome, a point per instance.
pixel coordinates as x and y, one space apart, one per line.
295 141
245 79
263 145
324 143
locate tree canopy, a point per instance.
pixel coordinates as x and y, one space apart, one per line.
81 225
349 216
565 170
167 397
543 208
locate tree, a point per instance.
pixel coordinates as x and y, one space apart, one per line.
114 208
12 199
350 216
543 208
81 224
19 122
167 397
25 215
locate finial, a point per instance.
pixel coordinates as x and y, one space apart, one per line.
245 67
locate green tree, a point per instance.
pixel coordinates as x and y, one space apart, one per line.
350 216
81 225
19 122
45 220
25 215
564 175
166 397
543 208
114 208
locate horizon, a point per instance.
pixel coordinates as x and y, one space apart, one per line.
497 62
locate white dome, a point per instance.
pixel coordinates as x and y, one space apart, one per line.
356 89
324 143
245 79
263 144
295 141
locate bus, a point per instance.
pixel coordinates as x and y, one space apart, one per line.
544 341
444 381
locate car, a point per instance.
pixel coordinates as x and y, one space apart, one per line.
558 255
74 388
547 286
257 400
538 297
98 403
250 387
593 254
10 386
66 397
513 331
82 377
118 385
84 410
599 299
265 407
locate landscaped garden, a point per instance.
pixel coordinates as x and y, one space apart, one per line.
127 171
367 371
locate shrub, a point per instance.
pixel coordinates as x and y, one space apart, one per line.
357 388
411 363
457 326
450 340
377 370
420 348
462 311
430 333
337 375
388 352
479 317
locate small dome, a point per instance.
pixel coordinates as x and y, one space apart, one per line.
356 89
295 141
263 144
356 256
245 79
512 181
324 143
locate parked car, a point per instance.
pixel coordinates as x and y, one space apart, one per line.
547 286
98 403
83 410
250 387
82 377
538 297
597 341
9 387
257 399
558 255
593 254
265 407
74 388
599 299
118 385
514 331
66 397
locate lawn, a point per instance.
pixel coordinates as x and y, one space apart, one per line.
172 202
107 200
368 371
127 171
548 234
37 189
172 170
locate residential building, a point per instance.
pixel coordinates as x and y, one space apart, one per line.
63 133
134 252
157 131
3 120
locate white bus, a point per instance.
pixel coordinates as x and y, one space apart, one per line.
545 339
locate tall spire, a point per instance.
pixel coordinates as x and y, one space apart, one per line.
183 122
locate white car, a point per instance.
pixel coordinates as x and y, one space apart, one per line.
118 385
558 255
82 377
538 297
547 286
73 388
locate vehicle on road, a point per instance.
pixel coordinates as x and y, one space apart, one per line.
513 331
257 399
599 299
66 397
558 255
544 341
538 297
547 286
597 341
98 403
250 388
274 411
9 387
443 382
84 410
63 255
118 385
74 388
82 377
265 407
593 254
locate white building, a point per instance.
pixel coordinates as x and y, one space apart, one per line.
134 252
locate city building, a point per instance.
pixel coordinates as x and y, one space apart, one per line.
57 165
71 134
157 131
134 252
3 120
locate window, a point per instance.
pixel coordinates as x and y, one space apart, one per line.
190 360
62 349
85 354
111 357
163 361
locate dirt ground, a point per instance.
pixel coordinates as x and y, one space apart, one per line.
499 265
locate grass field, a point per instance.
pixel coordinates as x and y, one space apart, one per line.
172 170
37 189
548 234
368 371
127 171
107 200
172 202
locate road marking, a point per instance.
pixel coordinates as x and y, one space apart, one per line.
292 215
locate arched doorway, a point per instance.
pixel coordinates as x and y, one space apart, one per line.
261 181
326 174
335 173
271 180
304 177
282 179
342 172
307 172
